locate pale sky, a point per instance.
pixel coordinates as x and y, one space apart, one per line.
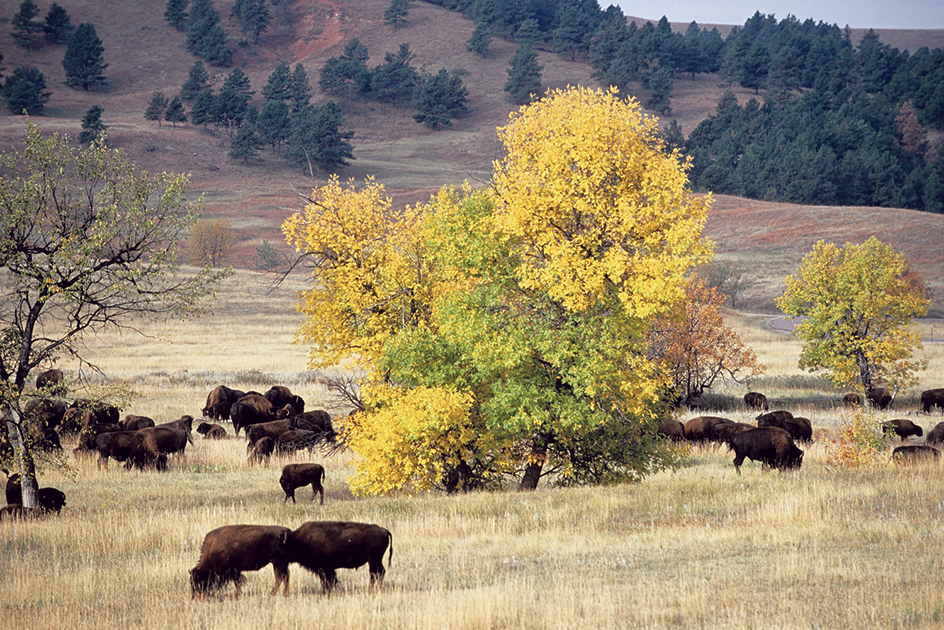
908 14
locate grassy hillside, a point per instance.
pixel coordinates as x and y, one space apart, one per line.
145 54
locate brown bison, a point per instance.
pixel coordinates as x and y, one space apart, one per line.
280 396
219 401
47 499
117 445
229 550
724 431
272 429
772 446
672 429
50 379
915 453
902 428
162 439
261 451
295 440
880 397
101 412
185 423
318 421
852 400
322 547
755 401
773 418
249 410
799 428
211 431
931 398
936 435
133 423
296 476
700 429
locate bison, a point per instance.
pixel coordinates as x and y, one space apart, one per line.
280 396
185 423
772 446
773 418
880 397
118 445
672 429
211 431
915 453
936 435
261 451
931 398
296 476
47 499
700 429
155 442
755 401
50 379
724 431
272 429
133 423
322 547
100 412
229 550
852 400
219 401
799 428
249 410
318 421
902 428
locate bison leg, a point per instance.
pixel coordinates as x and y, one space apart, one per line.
289 494
329 579
377 577
738 460
281 577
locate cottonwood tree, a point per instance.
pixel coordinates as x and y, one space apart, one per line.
209 242
857 303
694 346
87 242
519 314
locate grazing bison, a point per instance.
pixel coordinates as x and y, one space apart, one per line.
47 499
915 453
773 418
879 397
902 428
724 431
322 547
936 435
100 412
296 476
261 451
272 429
211 431
672 429
295 440
117 445
219 401
799 428
50 379
772 446
133 423
185 423
931 398
700 429
852 400
280 396
163 439
755 401
229 550
249 410
318 421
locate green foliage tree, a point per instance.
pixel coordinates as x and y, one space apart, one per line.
246 144
26 30
84 62
395 79
176 13
524 76
439 99
88 243
201 114
396 13
175 111
503 330
480 39
205 36
156 107
25 90
316 139
57 26
301 91
254 18
274 124
197 79
857 302
347 73
279 85
92 125
232 103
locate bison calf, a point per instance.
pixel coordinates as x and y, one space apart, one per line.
772 446
915 453
296 476
322 547
261 451
229 550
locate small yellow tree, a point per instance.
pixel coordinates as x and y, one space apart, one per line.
857 303
210 242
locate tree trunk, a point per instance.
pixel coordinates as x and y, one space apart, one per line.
22 459
532 472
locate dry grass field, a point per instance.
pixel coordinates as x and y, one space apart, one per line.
695 547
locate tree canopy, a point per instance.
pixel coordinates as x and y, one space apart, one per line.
518 313
857 303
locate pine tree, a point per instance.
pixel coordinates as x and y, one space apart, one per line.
92 125
246 144
198 78
279 86
439 99
176 13
202 111
26 30
254 18
524 76
83 60
395 79
396 13
529 32
316 138
25 90
58 27
301 91
156 108
274 124
480 39
175 112
205 36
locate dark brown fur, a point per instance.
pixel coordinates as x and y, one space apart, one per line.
700 429
219 401
915 454
229 550
880 397
773 418
249 410
772 446
931 398
755 401
322 547
902 428
133 423
261 450
296 476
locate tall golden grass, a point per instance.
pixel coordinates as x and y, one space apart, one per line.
695 547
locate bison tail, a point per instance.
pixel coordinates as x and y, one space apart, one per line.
390 556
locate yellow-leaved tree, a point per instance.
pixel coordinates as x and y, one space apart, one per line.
503 330
856 304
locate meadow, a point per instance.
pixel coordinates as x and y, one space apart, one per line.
694 547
